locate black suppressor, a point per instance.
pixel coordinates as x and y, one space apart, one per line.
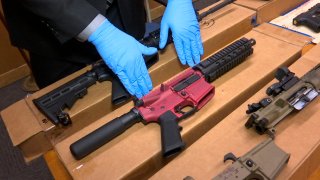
104 134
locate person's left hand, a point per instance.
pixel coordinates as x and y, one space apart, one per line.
124 56
181 19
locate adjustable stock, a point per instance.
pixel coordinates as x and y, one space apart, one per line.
53 103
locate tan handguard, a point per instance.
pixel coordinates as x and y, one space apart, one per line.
289 94
263 162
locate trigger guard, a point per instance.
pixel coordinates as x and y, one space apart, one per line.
185 114
178 109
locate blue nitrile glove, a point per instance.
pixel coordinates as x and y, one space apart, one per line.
181 19
123 54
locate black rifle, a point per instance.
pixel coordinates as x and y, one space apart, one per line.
53 103
154 37
311 18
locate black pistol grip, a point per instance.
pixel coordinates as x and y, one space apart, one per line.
119 94
104 134
171 140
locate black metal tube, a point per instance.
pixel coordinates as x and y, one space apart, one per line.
104 134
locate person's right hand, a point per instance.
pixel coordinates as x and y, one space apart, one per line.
123 54
180 18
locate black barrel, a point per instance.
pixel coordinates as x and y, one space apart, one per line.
214 9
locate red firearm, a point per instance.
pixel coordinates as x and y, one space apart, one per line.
169 103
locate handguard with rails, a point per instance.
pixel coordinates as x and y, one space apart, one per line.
289 94
167 104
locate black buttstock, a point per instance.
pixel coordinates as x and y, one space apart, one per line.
53 103
171 140
104 134
310 19
226 59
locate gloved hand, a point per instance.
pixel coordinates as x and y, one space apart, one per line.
181 19
123 54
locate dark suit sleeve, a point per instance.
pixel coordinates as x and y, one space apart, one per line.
65 18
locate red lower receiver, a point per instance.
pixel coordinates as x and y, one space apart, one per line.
189 89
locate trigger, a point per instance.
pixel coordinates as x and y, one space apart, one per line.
229 156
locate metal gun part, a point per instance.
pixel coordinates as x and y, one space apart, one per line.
289 94
263 162
310 19
213 9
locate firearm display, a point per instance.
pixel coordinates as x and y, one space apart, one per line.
310 19
171 102
52 104
263 162
289 94
154 37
